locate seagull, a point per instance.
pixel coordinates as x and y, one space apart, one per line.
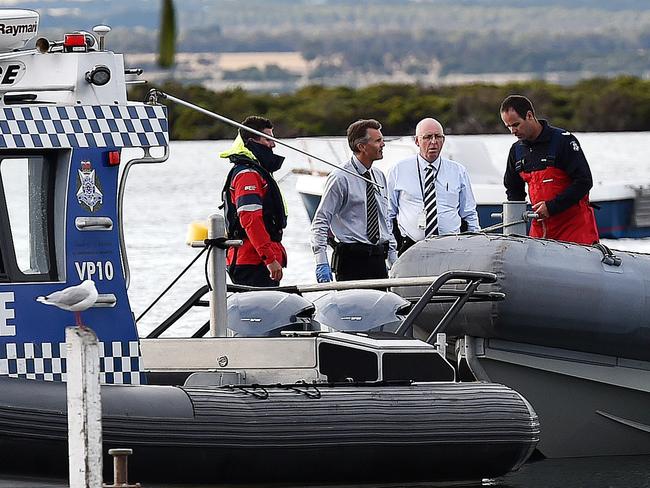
74 299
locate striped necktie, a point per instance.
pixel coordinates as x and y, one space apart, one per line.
430 208
372 217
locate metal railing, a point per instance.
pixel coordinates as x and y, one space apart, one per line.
458 298
439 291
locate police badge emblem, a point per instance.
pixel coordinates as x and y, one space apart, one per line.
89 192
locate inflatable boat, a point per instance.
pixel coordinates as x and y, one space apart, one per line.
284 433
572 335
287 401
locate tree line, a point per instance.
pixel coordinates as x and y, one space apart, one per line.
595 105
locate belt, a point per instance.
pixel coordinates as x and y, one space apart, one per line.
361 248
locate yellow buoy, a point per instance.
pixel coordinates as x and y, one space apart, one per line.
196 231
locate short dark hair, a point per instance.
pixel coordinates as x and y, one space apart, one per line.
519 104
358 132
254 122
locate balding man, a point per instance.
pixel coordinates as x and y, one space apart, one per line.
430 195
550 161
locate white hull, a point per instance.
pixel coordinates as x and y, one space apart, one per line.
588 404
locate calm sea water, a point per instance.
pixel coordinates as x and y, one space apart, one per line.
619 472
596 472
161 200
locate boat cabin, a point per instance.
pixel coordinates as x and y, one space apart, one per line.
64 121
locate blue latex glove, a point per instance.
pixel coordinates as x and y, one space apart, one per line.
323 273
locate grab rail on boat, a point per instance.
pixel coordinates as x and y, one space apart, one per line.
435 293
472 278
194 300
146 158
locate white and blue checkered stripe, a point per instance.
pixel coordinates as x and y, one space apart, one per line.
83 126
119 362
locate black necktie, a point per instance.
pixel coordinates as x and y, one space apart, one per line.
430 208
372 217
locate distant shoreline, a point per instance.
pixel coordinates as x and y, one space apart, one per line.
209 69
594 105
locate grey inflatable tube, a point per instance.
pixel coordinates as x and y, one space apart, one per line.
281 434
557 294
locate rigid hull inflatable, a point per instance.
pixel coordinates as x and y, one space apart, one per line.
572 335
275 434
558 294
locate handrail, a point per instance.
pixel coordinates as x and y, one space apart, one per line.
347 285
478 296
204 329
434 294
454 309
472 279
180 311
147 158
174 281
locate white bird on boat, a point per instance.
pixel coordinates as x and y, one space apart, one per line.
74 299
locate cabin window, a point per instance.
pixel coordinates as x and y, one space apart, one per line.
27 196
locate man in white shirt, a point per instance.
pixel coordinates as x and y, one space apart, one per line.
449 198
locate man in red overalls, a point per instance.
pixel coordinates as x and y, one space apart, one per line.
551 161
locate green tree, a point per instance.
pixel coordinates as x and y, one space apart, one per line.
167 40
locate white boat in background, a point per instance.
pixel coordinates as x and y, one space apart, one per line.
622 209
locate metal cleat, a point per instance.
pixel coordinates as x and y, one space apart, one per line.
120 469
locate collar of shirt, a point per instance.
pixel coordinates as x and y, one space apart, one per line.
424 163
358 165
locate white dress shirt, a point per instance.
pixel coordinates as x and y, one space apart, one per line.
342 210
454 197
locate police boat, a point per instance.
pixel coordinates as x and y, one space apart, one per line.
275 401
573 334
